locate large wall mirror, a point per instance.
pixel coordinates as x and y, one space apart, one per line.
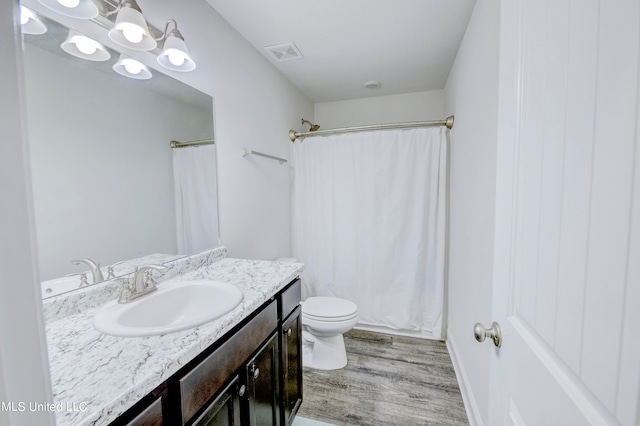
102 166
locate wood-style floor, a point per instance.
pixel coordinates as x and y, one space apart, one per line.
389 380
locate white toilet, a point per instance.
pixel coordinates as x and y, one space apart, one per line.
324 320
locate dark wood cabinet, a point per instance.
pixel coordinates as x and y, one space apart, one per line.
251 376
263 380
290 351
291 365
202 380
225 408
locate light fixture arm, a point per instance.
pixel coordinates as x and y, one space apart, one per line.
124 3
173 33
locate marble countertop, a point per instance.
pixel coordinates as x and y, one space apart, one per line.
96 377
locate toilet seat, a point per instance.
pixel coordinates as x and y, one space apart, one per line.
329 309
330 319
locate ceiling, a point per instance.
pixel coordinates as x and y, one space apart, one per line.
406 45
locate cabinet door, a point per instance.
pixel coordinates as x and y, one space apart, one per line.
262 385
225 409
291 359
204 380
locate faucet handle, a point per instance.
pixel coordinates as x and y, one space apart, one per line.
125 291
142 281
148 282
110 273
83 278
148 271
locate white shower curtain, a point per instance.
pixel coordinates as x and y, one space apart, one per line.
369 222
194 174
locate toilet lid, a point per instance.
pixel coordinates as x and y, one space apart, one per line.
328 307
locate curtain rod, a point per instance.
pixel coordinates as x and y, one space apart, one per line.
293 135
176 144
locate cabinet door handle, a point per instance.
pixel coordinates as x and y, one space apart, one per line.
242 390
256 371
289 332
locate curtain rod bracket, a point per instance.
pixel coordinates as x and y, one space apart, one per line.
449 122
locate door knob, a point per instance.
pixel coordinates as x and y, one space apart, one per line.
495 333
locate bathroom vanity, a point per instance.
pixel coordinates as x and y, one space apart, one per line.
252 376
244 368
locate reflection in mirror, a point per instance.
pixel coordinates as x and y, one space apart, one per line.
102 167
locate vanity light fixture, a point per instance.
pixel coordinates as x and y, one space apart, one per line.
80 9
84 47
131 30
131 68
30 23
175 55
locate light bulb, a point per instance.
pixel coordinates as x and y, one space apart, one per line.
176 57
86 45
132 66
133 33
25 15
69 3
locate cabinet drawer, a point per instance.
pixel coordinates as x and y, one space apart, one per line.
151 416
201 383
290 299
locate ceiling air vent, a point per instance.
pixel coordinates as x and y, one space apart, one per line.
284 52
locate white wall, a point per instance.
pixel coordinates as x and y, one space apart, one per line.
471 94
417 106
255 106
24 373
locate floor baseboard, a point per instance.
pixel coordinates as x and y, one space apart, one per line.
470 404
406 333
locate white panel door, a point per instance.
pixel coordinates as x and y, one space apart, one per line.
567 256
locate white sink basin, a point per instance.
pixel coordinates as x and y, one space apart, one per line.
173 307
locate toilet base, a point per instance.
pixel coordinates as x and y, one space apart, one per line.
328 353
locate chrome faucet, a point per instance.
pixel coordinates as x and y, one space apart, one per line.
93 266
142 283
